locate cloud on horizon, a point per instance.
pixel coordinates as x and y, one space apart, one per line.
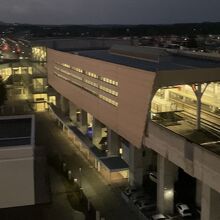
109 12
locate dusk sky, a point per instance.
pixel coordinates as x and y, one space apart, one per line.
109 12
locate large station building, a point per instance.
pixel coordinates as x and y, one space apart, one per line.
132 111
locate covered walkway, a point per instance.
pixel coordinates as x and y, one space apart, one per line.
114 169
106 198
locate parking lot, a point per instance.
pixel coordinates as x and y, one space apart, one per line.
143 202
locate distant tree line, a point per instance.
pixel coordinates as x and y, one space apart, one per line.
38 31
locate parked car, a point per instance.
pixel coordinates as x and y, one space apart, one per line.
159 217
146 199
153 176
183 210
141 204
129 190
137 196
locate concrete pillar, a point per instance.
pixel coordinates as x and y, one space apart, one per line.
72 112
96 132
198 193
64 105
149 159
210 209
113 143
135 166
83 123
166 176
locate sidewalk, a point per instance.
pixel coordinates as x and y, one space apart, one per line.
104 197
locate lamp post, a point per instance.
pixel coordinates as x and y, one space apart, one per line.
80 177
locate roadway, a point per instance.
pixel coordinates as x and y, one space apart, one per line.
12 50
105 198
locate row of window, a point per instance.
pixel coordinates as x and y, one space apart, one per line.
91 83
65 65
105 89
106 99
112 92
109 81
66 79
93 75
77 69
70 67
67 73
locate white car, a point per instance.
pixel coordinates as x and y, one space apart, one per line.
183 210
159 217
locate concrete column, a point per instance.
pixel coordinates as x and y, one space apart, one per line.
83 123
166 176
64 105
149 159
96 132
210 204
113 143
198 192
72 112
135 166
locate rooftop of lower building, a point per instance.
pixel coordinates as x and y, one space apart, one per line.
150 59
15 130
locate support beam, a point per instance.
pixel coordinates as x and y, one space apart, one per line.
64 105
149 159
166 177
210 204
113 143
72 112
198 193
83 122
135 166
96 132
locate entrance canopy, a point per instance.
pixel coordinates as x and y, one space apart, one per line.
114 164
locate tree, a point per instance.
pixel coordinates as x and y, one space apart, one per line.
3 92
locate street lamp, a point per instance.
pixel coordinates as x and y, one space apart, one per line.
80 177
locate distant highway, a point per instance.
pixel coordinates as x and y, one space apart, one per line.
12 50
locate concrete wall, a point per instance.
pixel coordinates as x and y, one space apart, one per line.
192 158
134 88
17 176
186 76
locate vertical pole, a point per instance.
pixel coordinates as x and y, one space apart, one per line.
198 113
198 91
97 215
80 177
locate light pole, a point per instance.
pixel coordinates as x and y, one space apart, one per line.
80 177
